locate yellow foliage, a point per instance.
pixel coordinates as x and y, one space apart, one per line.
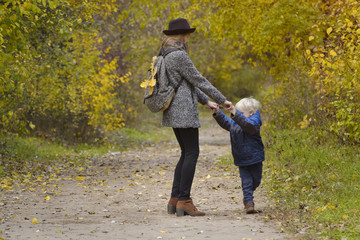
329 30
305 122
63 82
312 61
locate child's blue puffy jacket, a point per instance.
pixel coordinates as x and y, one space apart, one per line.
246 144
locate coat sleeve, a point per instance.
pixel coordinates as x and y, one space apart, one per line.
223 121
188 71
202 98
240 119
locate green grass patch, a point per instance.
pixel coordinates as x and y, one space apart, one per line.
315 187
226 160
26 158
130 137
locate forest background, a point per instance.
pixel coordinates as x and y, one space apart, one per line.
70 74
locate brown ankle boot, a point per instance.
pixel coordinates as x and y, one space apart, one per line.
186 207
249 206
171 207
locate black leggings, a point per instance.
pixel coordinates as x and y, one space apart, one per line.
188 139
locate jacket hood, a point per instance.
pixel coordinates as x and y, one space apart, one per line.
254 119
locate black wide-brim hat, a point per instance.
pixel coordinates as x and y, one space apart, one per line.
179 26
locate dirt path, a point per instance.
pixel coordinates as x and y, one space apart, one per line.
124 196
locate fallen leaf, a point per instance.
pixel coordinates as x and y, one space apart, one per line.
35 221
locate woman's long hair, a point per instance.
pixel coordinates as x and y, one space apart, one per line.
174 40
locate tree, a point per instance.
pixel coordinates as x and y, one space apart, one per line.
55 79
309 50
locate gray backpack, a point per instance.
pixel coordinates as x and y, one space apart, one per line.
163 92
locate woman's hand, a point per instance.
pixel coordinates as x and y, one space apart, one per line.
213 106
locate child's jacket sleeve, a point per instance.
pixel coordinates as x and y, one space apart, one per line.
248 125
223 121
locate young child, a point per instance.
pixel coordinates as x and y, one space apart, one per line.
246 144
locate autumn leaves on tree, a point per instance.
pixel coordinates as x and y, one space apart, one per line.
70 68
56 77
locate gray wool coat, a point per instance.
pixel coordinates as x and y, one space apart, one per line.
183 111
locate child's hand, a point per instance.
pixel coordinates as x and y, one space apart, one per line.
215 110
231 109
227 104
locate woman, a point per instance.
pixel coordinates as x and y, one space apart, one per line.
183 113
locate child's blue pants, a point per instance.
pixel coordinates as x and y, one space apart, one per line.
250 180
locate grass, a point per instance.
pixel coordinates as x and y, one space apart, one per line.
226 160
26 158
315 187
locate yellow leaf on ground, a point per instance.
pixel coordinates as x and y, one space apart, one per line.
47 198
35 221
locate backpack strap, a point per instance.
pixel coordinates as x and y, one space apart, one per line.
164 52
177 85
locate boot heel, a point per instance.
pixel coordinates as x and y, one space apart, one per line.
180 212
171 209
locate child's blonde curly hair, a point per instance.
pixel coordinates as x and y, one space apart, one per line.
248 104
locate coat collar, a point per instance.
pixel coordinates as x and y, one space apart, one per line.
254 119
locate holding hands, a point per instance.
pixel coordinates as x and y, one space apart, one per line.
213 106
227 105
